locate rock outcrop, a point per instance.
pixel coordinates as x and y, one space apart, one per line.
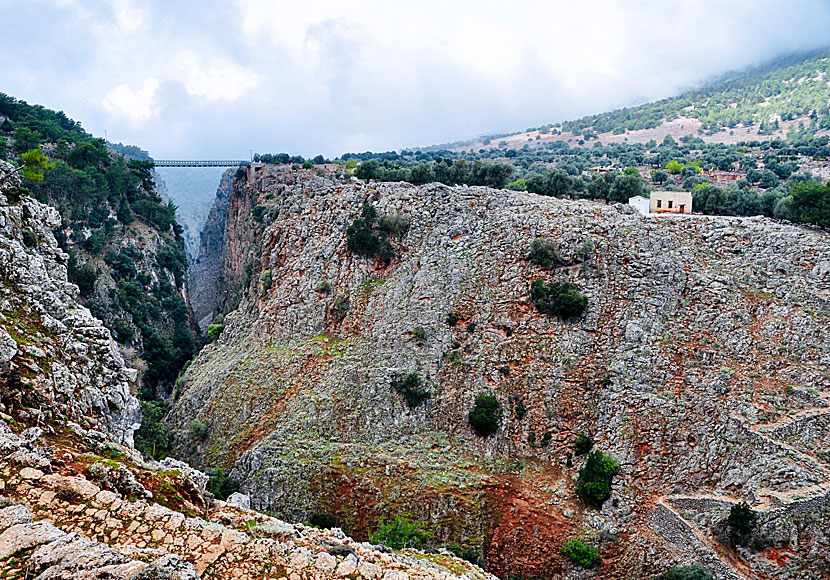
700 364
58 362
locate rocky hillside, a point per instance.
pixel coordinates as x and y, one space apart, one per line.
57 361
76 500
764 103
341 386
126 251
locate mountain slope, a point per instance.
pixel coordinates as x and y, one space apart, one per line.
700 358
762 103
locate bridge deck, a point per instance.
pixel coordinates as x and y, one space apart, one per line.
187 163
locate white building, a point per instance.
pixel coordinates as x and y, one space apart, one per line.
640 203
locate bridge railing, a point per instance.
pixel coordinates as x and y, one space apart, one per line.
191 163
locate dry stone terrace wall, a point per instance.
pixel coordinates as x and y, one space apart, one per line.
703 339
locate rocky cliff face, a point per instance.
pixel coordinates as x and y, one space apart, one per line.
700 364
78 501
57 361
205 273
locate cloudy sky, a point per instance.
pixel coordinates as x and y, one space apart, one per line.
215 79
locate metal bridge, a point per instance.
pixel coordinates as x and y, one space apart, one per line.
183 163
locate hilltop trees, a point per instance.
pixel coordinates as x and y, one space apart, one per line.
495 175
810 203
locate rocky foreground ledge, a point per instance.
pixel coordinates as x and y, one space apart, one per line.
106 514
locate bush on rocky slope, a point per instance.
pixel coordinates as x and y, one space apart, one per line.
485 415
557 299
594 484
580 553
691 572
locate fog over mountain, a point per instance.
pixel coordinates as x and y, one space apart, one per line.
218 79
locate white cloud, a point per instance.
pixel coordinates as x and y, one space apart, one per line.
330 76
213 77
128 18
135 107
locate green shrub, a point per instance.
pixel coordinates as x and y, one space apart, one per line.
557 299
400 534
520 411
258 212
394 224
198 430
419 333
580 553
471 328
248 275
741 522
220 485
29 238
324 287
583 444
485 415
266 281
214 330
341 303
452 318
691 572
360 239
544 253
323 521
411 387
85 277
594 483
151 438
15 194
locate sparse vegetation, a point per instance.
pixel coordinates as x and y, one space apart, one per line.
411 387
220 484
402 533
485 415
583 444
691 572
563 300
543 252
580 553
452 318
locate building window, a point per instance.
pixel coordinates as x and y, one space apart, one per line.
670 203
659 203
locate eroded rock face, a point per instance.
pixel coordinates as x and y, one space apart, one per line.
700 364
61 362
204 284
